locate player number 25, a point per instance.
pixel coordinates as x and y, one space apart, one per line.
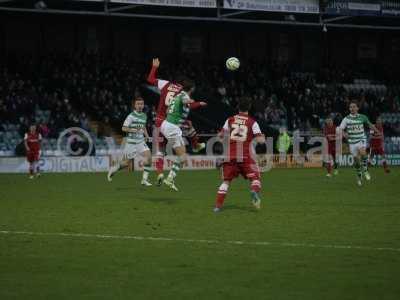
239 132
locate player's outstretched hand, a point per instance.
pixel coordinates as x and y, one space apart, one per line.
156 62
202 103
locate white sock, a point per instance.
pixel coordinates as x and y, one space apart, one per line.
146 172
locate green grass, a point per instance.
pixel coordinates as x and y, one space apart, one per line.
299 206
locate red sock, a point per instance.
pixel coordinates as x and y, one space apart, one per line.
219 202
194 140
160 165
255 186
31 168
223 189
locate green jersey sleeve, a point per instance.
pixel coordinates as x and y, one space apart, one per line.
365 119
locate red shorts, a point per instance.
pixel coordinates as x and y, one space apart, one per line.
377 151
32 156
248 169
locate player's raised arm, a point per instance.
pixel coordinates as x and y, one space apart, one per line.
152 77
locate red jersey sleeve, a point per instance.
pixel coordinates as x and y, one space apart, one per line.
195 105
151 78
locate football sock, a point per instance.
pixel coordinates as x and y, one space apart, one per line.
364 163
31 168
255 186
358 167
222 190
160 165
335 165
146 172
175 168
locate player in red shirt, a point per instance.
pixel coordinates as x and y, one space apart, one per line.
376 144
168 90
32 142
241 129
331 137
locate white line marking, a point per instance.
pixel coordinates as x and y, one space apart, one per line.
165 239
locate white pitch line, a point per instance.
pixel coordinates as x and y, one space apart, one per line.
165 239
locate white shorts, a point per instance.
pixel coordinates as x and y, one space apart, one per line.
172 133
130 150
354 148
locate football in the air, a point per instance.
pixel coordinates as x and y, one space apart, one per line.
232 63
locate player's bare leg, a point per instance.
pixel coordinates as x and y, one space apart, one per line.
221 194
180 152
146 169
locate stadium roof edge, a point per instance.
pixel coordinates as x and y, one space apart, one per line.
115 12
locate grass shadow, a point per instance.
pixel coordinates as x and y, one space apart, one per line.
239 207
170 199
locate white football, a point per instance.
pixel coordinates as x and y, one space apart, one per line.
232 63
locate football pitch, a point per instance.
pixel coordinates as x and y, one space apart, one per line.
76 236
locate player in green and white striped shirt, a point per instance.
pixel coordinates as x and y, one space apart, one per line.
177 113
135 127
353 127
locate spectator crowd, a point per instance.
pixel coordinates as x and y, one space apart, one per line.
61 91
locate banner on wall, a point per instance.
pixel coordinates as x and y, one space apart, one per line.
356 8
294 6
182 3
347 160
194 162
57 164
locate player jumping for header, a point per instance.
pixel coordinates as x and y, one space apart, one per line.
241 129
353 125
177 113
135 127
169 90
